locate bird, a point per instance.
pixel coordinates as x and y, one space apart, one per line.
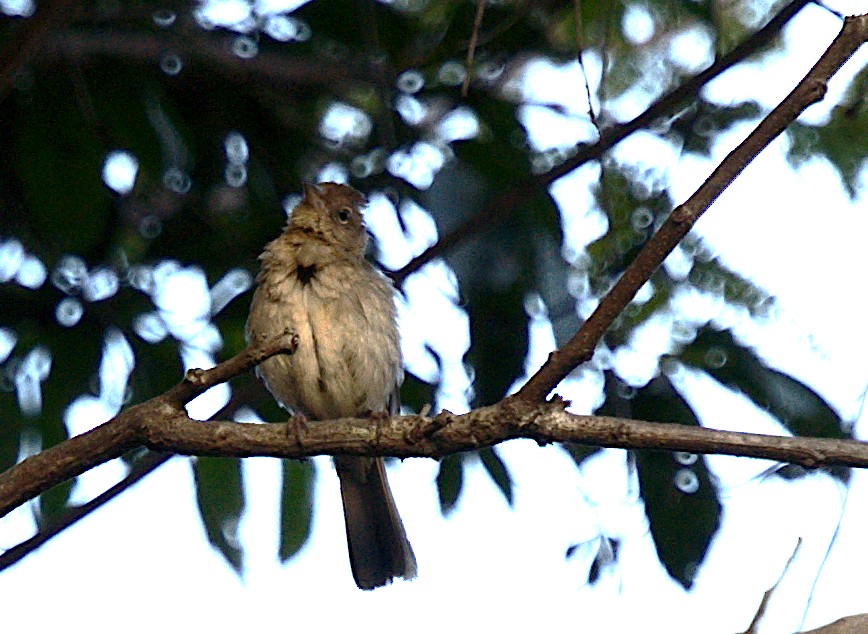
314 279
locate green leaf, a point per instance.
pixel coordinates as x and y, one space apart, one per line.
798 407
682 524
220 495
416 393
843 140
58 159
499 340
498 471
681 499
700 124
296 506
579 453
450 481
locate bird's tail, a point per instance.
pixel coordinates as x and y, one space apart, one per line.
378 545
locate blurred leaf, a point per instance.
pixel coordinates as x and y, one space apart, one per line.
791 472
682 523
499 339
798 407
579 453
54 151
10 423
634 203
709 274
416 393
220 495
498 471
843 140
607 557
698 125
450 481
679 493
296 506
74 358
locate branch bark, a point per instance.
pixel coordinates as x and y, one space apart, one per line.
856 624
810 90
162 424
124 432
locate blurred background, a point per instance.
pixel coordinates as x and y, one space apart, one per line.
151 149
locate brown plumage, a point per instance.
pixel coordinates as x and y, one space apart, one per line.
315 280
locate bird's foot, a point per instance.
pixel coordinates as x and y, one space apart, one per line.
296 426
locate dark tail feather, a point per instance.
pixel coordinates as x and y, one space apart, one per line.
378 545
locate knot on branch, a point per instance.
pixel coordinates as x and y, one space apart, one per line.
530 419
263 348
196 377
429 426
815 89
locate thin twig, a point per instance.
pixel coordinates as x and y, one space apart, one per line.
767 595
577 6
471 47
144 466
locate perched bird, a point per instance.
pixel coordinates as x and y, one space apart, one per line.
315 280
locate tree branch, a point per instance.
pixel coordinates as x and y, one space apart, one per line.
498 208
144 464
810 90
124 432
206 52
856 624
161 425
445 434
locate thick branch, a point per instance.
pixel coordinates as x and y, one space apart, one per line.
446 434
809 91
856 624
160 425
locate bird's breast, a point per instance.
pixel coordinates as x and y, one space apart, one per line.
348 359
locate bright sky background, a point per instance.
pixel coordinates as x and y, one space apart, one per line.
143 561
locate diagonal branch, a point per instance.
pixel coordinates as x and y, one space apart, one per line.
143 466
497 208
36 474
810 90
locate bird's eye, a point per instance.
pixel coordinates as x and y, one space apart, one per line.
344 215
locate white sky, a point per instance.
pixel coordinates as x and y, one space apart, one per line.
143 562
